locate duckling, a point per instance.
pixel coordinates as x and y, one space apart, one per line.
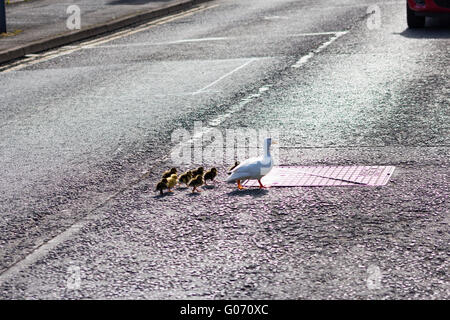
185 177
170 172
162 185
171 182
198 171
196 182
236 163
210 174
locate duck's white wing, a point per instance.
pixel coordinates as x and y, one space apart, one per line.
247 169
245 163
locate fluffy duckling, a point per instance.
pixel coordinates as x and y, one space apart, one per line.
185 177
196 182
198 171
236 163
163 184
210 175
171 182
170 172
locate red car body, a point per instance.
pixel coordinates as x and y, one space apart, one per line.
429 6
417 10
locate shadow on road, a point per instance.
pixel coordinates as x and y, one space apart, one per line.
256 193
426 33
135 2
165 194
436 28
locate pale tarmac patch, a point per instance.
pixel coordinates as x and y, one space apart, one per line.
321 176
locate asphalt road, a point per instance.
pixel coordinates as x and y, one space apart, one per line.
35 20
86 132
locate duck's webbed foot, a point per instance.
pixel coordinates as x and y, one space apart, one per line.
261 186
240 187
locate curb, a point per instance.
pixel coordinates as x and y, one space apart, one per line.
94 30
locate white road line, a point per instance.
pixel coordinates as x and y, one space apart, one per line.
174 42
307 57
221 118
150 25
326 33
237 107
362 5
44 249
224 76
144 44
198 40
87 44
33 59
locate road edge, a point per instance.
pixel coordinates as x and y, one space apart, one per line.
94 30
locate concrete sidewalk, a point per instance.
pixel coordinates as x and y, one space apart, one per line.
38 25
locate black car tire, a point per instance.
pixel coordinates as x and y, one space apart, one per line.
413 20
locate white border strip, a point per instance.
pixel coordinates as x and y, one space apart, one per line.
223 77
307 57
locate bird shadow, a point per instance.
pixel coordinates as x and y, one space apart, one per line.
209 186
256 193
165 194
194 194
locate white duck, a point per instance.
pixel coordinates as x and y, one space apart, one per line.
253 168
